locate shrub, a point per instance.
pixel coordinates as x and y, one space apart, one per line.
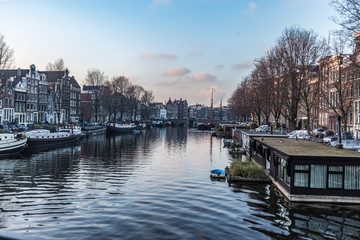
246 169
36 126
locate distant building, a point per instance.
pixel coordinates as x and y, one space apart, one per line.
176 109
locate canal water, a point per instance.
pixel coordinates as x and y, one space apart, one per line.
154 185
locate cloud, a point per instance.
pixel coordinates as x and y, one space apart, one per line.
160 3
203 78
194 53
244 65
219 66
163 56
177 71
252 6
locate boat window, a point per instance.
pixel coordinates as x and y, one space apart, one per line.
301 175
335 176
352 177
318 176
282 170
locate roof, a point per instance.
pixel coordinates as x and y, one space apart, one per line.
7 73
89 88
290 147
53 76
74 83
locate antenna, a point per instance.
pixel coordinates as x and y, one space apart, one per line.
211 108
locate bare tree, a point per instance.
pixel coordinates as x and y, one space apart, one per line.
121 84
147 97
6 54
96 79
299 50
134 93
348 16
58 65
238 102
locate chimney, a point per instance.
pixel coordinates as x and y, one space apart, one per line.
18 73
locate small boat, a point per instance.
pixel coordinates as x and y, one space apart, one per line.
11 143
44 138
217 173
237 151
120 128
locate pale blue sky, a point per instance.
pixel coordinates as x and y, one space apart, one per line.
175 48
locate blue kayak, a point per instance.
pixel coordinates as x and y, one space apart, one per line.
217 172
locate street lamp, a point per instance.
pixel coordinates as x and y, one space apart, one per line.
339 145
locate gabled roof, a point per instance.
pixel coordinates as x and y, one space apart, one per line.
74 83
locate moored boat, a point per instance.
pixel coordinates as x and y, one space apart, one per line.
120 128
11 143
217 173
44 138
94 130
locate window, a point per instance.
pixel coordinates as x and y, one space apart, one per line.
301 176
282 170
352 177
335 176
318 176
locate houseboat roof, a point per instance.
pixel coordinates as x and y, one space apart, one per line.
261 134
290 147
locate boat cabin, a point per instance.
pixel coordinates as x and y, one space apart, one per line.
306 171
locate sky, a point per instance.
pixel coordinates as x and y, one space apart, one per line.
179 49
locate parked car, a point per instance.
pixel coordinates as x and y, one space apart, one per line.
281 131
318 132
343 135
329 139
296 132
351 144
262 128
348 144
21 127
5 127
328 133
14 128
301 135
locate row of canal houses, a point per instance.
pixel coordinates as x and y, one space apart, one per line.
30 96
328 99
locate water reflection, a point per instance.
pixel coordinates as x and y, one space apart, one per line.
153 185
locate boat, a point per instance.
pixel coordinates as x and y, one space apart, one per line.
237 151
120 128
11 143
217 173
93 130
44 138
228 142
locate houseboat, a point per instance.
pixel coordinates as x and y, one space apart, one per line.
11 143
41 138
94 130
305 171
120 128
